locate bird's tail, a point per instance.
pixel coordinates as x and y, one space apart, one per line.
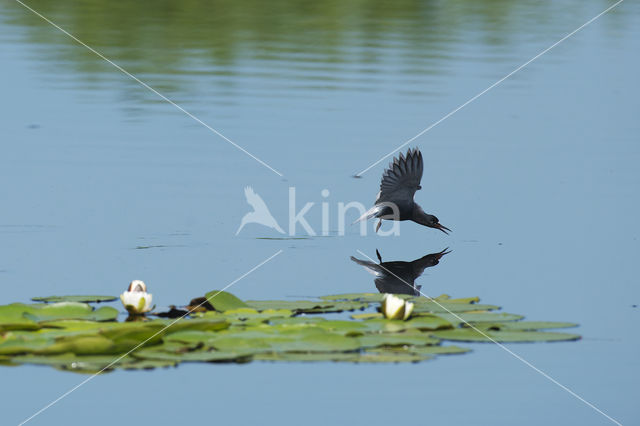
372 268
372 212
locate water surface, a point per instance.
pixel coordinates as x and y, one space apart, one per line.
103 182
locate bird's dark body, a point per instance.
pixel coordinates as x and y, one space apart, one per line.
405 212
399 277
399 183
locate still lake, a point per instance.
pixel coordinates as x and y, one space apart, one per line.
103 182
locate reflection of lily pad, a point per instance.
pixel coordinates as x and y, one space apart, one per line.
80 299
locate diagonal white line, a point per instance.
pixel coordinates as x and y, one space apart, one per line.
85 381
142 83
509 351
489 88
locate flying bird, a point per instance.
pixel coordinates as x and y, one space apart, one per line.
399 277
260 213
400 181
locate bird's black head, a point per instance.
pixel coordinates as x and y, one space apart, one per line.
426 219
433 222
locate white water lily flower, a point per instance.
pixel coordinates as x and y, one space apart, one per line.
136 300
394 307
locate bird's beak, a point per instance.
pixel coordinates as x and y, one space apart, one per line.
442 228
442 253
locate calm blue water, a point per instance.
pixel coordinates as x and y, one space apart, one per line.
538 180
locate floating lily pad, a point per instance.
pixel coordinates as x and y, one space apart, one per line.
73 336
223 301
148 364
447 298
367 315
13 344
392 357
72 362
79 299
525 325
307 306
195 356
308 356
250 315
21 313
480 317
424 350
425 322
471 335
426 305
359 297
397 339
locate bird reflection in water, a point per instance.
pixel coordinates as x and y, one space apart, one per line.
399 277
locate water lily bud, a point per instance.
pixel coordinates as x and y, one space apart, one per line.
137 285
408 309
392 307
136 300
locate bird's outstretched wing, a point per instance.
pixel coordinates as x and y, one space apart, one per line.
255 200
401 179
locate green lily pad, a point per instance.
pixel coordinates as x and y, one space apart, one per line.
307 306
397 339
191 337
351 328
245 315
80 345
73 336
223 301
297 321
148 364
423 322
77 299
525 325
448 299
439 350
392 357
12 344
471 335
425 350
12 317
422 305
202 324
359 297
479 317
308 356
367 315
19 313
195 356
72 362
105 313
